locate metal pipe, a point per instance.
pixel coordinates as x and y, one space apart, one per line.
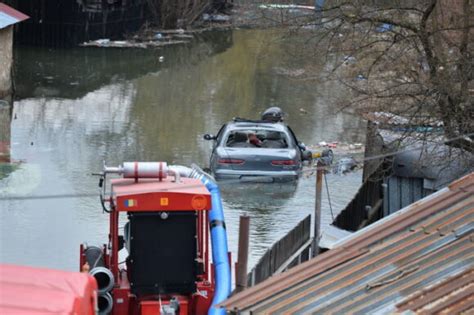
175 173
145 170
241 275
104 277
105 303
139 170
113 170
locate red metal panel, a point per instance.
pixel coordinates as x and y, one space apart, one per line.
122 301
165 195
202 300
150 308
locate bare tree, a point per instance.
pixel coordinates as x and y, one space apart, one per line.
411 59
170 14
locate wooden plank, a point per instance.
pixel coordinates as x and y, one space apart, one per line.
280 252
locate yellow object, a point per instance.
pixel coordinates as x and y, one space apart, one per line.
163 201
316 154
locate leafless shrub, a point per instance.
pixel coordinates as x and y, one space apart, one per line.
413 59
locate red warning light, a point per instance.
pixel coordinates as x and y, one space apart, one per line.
199 202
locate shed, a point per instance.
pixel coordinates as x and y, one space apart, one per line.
401 263
402 166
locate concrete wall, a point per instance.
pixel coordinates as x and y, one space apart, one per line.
6 59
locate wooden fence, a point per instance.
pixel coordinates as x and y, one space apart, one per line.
296 241
364 208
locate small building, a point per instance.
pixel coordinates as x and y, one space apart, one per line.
405 162
8 18
419 260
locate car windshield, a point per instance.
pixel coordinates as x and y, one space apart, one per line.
257 139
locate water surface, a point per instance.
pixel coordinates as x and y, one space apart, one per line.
79 107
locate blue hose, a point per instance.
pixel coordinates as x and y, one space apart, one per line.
220 256
219 248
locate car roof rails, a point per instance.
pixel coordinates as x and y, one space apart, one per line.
238 119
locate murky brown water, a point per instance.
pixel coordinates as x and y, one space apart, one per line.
79 107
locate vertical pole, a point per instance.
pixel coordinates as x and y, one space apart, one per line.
318 7
5 131
114 217
317 207
241 274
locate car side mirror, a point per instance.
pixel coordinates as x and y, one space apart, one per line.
209 137
302 146
307 155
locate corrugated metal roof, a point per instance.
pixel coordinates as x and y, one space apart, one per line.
9 16
377 267
452 296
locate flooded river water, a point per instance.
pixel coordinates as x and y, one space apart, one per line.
78 107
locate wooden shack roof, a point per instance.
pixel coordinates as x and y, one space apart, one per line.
10 16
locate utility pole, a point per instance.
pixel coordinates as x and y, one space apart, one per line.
318 7
241 272
317 207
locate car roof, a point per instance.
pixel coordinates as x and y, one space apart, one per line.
257 124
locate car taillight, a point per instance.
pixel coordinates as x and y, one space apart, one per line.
231 161
283 162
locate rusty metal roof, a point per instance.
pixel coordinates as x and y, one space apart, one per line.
380 268
452 296
9 16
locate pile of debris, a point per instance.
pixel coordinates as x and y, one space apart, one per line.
146 39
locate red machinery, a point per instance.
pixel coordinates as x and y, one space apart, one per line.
164 265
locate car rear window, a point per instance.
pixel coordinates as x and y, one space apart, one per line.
257 139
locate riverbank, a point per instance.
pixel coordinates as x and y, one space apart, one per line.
240 15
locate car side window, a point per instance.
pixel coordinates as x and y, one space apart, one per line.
292 134
220 133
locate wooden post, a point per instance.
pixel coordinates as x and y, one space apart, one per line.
5 131
241 274
317 207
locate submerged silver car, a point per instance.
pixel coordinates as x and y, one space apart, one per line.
256 151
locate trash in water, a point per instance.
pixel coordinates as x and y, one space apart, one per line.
215 17
349 59
345 165
102 41
385 27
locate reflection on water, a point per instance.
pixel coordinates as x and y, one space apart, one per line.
78 107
